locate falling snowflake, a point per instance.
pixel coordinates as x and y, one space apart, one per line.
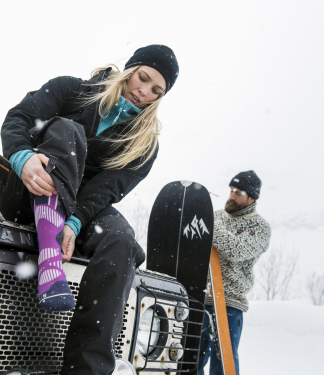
39 124
26 270
98 229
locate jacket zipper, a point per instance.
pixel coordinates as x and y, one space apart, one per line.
119 112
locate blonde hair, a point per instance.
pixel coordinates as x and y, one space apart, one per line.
141 135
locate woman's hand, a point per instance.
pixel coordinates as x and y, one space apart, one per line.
35 178
68 243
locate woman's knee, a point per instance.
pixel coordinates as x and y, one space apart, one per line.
112 225
123 235
62 133
112 234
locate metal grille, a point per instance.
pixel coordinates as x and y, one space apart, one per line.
186 332
30 337
120 342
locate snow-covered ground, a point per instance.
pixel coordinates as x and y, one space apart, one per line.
282 338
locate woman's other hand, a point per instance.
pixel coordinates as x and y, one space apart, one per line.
35 178
68 243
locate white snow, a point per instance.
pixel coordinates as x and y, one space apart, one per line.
39 124
282 338
98 229
25 270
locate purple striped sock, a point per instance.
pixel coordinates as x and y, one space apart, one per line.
54 292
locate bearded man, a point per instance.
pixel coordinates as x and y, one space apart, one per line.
241 235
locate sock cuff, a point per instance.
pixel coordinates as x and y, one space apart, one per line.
54 202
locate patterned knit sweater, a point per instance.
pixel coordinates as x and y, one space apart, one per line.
240 238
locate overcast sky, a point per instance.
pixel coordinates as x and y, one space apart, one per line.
250 91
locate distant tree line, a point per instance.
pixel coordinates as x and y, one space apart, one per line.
315 288
275 272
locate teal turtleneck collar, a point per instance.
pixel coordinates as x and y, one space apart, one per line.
119 113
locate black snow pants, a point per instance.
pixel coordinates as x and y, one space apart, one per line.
108 241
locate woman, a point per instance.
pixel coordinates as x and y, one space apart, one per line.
97 140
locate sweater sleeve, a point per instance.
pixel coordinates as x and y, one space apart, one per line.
19 159
247 245
43 104
75 224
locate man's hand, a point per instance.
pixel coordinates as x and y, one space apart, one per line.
35 178
68 243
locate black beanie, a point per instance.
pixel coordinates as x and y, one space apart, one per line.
159 57
249 182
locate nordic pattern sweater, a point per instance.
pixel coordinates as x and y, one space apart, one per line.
240 238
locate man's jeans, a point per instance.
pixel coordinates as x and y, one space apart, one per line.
207 346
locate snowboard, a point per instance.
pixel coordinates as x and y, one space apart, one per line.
180 235
221 330
179 244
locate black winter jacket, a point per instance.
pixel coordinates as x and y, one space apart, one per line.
62 96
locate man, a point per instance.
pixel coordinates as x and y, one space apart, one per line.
241 235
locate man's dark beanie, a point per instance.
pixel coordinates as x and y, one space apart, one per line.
159 57
249 182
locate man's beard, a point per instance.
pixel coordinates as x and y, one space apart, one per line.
232 206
